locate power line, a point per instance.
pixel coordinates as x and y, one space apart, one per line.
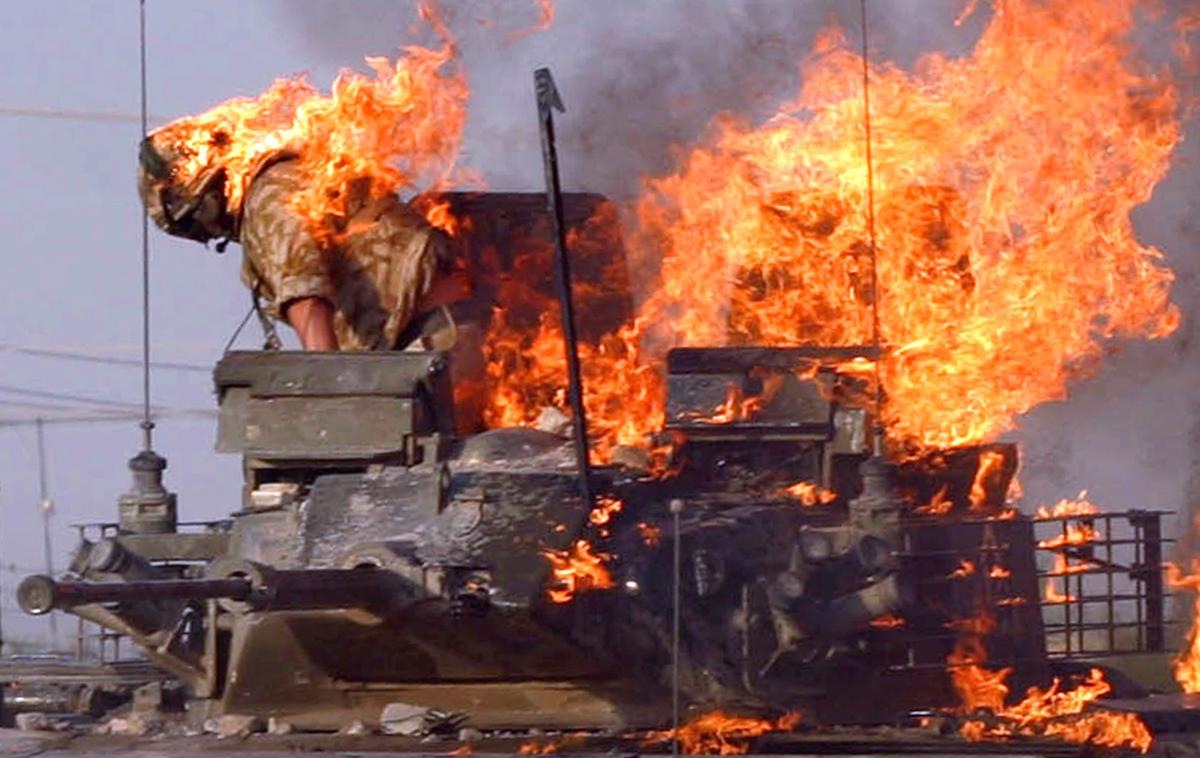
89 400
101 417
36 406
63 114
93 358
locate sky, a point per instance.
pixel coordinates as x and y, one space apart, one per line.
638 76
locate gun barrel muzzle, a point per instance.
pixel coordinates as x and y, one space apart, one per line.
40 594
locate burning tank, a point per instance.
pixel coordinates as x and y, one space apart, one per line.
378 558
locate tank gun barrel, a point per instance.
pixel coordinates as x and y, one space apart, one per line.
240 586
40 594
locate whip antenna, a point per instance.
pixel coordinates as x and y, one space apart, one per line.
148 508
147 422
866 73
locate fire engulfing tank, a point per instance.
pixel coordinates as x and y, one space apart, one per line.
377 558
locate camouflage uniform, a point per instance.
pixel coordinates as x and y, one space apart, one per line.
381 264
386 259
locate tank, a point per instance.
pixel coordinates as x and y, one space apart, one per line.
377 558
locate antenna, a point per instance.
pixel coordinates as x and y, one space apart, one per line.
148 508
548 101
875 294
147 422
46 506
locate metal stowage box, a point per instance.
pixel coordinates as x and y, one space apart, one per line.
307 405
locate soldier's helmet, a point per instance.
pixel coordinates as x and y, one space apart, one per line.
192 207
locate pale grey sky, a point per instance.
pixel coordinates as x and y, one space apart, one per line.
637 76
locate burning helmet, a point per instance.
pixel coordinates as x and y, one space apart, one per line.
192 207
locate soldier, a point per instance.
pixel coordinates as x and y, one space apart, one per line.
380 277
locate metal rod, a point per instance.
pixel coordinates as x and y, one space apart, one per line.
147 423
548 100
676 595
875 338
1150 530
47 508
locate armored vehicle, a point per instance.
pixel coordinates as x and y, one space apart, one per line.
378 558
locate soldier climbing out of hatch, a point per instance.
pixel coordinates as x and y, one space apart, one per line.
380 278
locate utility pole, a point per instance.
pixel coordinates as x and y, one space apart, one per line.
47 507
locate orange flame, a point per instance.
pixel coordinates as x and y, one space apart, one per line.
717 733
890 621
1075 534
996 241
1052 595
1080 506
651 535
735 408
977 687
965 568
1186 665
576 570
999 572
545 19
1051 712
940 505
989 468
623 396
606 507
1055 713
810 494
1064 566
537 748
373 136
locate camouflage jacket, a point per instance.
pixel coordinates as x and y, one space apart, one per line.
384 262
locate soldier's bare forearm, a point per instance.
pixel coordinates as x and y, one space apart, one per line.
312 318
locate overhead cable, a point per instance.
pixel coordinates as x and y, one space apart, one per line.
38 352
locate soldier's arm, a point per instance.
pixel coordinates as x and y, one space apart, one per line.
312 318
290 263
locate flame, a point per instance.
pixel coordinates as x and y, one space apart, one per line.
1052 595
965 568
940 505
1052 712
1056 713
977 687
526 359
371 136
999 572
576 570
716 733
1080 506
1063 565
1186 665
1075 534
545 19
990 463
1004 182
606 507
890 621
810 494
651 535
537 748
735 408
